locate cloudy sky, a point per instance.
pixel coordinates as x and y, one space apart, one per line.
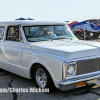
50 9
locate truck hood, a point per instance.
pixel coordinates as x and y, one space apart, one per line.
70 49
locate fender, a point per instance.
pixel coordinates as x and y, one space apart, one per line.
27 71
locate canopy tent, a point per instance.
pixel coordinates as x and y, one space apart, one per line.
84 26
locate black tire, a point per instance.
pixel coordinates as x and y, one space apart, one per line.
98 35
50 84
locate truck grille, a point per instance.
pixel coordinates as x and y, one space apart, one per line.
88 66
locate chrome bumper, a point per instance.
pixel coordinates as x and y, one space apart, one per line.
70 83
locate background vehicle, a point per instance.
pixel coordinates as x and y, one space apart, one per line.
96 22
74 22
90 30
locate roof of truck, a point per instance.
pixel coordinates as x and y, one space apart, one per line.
31 22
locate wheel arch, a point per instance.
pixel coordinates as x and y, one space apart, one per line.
42 64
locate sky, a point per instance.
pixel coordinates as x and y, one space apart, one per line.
61 10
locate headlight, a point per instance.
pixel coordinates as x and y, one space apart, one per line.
69 69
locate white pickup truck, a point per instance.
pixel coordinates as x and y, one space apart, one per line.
49 53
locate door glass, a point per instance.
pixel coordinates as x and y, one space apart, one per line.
93 21
14 34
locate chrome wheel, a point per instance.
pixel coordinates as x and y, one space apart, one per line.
41 78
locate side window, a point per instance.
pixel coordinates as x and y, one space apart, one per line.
88 21
14 34
93 21
1 32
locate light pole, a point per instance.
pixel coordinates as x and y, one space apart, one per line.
77 18
69 19
84 18
93 16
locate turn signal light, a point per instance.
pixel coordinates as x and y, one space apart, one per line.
80 84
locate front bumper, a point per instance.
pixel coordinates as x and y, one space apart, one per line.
70 83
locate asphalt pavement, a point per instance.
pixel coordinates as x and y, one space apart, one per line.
10 80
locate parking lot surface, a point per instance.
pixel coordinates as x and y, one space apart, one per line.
10 80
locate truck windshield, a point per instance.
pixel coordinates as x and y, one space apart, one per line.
45 33
98 21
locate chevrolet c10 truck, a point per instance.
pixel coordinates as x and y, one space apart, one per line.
49 53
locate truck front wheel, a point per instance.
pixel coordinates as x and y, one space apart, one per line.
42 78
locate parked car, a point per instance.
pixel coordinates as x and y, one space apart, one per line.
96 22
49 56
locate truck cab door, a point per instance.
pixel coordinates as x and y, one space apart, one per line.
2 29
12 50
